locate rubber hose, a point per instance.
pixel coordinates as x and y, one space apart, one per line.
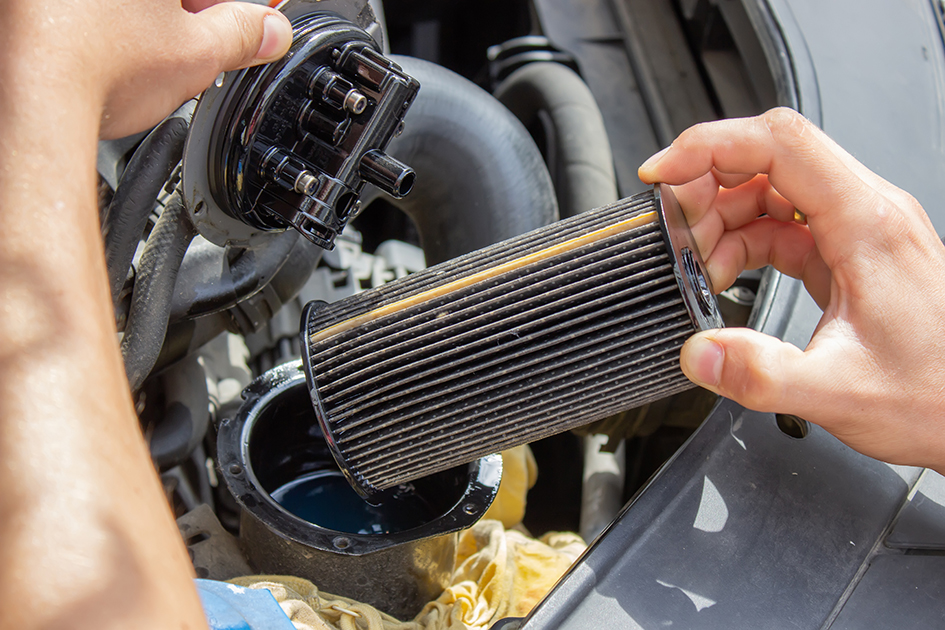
154 289
480 176
141 182
186 336
213 279
186 414
579 155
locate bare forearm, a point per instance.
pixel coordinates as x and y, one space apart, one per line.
87 538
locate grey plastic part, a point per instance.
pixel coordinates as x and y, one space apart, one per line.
215 553
745 524
873 74
186 414
601 485
921 524
893 585
110 160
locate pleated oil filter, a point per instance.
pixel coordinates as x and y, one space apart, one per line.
541 333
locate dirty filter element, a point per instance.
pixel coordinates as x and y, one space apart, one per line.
536 335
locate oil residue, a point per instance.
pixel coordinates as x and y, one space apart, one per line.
325 498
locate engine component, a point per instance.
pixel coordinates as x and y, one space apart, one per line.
186 414
553 98
214 279
509 56
301 518
237 289
345 271
154 290
601 485
474 162
141 181
294 142
480 177
542 333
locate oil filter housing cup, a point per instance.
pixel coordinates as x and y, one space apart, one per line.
530 337
300 517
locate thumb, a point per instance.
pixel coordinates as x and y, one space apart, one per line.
753 369
239 34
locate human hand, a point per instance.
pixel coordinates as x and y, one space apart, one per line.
134 62
873 373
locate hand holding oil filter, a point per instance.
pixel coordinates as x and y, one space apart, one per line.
533 336
868 254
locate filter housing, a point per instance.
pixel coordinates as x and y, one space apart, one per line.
536 335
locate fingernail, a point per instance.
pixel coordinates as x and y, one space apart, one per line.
702 358
656 157
277 36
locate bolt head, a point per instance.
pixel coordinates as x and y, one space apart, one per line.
306 183
355 102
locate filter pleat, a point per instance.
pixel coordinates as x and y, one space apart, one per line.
533 366
472 444
486 257
540 385
501 297
456 342
462 362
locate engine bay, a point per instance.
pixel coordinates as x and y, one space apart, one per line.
391 139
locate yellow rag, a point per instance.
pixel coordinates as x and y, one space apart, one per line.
499 573
519 474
